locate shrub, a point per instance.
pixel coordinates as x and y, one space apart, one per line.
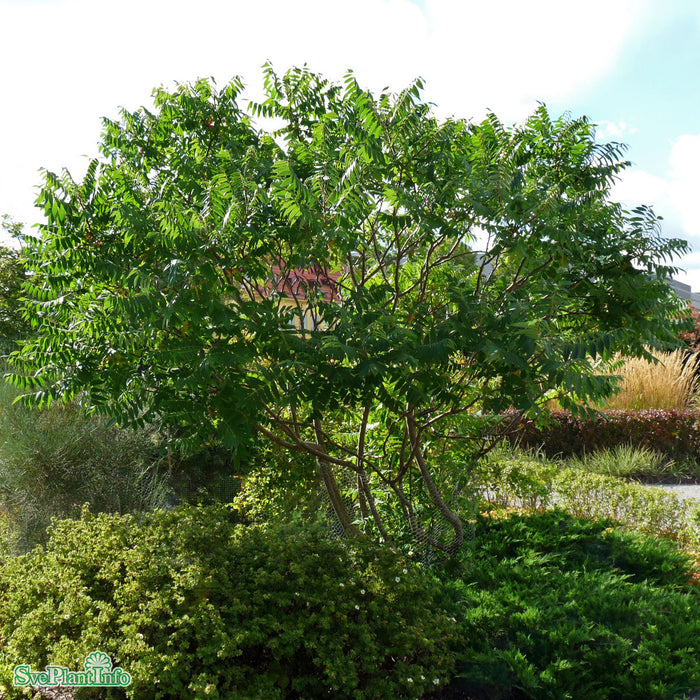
675 434
692 338
281 486
553 607
194 604
509 478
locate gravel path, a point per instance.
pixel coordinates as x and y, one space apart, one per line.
684 491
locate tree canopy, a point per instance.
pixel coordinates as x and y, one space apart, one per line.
444 271
12 276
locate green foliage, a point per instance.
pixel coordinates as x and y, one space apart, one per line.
281 486
675 434
552 607
651 510
626 461
513 478
195 604
54 460
508 476
7 534
209 475
12 277
166 280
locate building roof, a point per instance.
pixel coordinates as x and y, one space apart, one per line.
297 283
684 291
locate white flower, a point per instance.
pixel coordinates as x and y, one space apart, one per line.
362 591
397 579
436 681
357 607
342 585
410 680
405 571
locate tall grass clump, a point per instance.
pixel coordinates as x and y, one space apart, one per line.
52 461
671 383
627 461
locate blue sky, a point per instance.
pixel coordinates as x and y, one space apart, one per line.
653 88
632 66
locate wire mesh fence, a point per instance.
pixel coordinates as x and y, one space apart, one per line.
431 524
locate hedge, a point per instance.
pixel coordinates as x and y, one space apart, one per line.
673 433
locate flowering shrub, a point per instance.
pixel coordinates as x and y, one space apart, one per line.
673 433
194 604
692 338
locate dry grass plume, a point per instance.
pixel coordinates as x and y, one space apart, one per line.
671 383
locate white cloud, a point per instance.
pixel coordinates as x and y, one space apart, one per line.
505 55
674 197
639 187
685 182
614 131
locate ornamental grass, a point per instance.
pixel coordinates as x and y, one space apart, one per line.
671 383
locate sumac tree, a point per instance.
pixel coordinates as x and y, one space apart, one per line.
364 283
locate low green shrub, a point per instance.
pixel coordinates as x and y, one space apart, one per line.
507 477
193 603
674 434
653 511
549 606
517 478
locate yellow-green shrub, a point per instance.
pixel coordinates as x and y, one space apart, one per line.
194 604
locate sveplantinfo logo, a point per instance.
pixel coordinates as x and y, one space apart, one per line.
98 673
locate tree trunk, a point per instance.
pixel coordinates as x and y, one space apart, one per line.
336 498
452 518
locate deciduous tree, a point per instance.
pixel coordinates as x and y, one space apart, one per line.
473 268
